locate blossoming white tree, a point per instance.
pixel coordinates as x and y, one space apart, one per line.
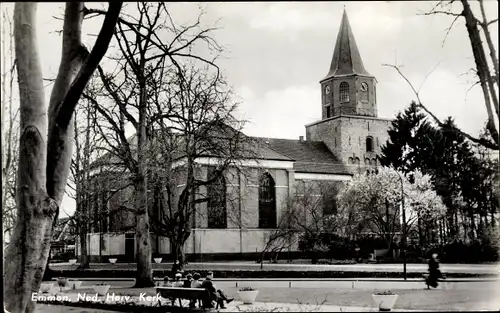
375 200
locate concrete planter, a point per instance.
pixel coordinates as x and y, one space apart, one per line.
112 260
101 290
248 296
46 287
385 302
74 284
62 281
72 261
158 260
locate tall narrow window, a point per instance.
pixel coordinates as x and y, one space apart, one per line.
267 202
327 111
216 192
364 92
329 200
369 144
344 92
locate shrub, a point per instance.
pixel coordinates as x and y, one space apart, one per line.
246 289
384 293
485 250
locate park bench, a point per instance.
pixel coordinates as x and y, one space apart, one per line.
172 293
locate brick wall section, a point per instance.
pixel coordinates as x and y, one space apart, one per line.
345 136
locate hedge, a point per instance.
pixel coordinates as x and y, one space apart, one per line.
100 273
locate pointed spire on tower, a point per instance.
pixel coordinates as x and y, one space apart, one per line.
346 58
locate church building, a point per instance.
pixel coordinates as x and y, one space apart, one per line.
347 139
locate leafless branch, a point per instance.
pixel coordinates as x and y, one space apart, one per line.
482 141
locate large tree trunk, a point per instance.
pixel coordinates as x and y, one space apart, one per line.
26 256
178 252
483 71
142 230
82 235
143 246
491 46
41 180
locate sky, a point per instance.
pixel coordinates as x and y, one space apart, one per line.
277 52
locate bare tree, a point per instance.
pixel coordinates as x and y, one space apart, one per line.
488 78
308 216
44 164
81 179
10 130
195 119
316 215
126 99
283 237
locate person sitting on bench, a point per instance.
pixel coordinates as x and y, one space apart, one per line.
166 282
195 283
217 294
187 281
178 282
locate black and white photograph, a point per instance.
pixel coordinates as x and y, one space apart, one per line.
260 156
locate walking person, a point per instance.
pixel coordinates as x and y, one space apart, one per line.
434 272
176 268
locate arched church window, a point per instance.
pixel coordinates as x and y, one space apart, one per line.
357 161
367 161
344 92
369 144
267 202
364 92
216 206
351 161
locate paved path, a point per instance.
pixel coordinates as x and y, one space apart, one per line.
335 297
411 268
50 308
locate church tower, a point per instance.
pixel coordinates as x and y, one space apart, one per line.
348 88
349 125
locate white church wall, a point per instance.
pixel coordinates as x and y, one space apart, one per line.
218 240
164 245
115 244
94 244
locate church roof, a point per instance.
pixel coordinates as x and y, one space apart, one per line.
308 156
346 57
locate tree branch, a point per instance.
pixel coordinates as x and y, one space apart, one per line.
90 64
482 141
